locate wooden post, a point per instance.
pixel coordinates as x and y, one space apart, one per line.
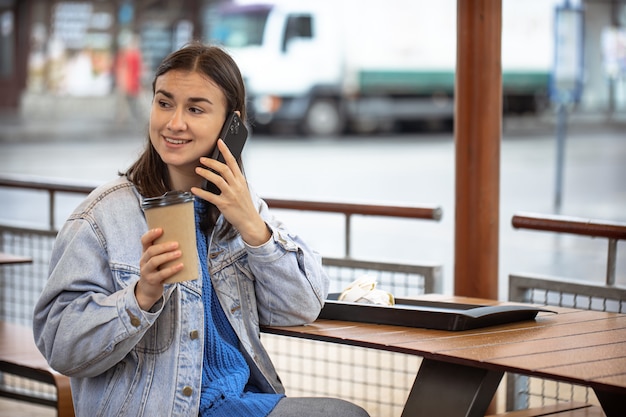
478 131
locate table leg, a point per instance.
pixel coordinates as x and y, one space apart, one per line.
612 403
451 390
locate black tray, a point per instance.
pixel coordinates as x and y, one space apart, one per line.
428 314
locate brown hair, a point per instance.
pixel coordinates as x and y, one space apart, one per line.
149 173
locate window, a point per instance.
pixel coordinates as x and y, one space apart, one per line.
240 29
298 26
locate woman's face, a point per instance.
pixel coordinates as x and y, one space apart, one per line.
188 111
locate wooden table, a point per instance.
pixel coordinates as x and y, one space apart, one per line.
9 259
461 370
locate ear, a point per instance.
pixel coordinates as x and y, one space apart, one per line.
238 113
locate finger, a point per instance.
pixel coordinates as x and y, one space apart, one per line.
154 250
151 249
150 236
228 156
208 191
151 282
211 163
210 173
160 274
152 268
204 194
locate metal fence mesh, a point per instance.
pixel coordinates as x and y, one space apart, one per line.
20 287
377 381
525 392
22 283
574 300
401 280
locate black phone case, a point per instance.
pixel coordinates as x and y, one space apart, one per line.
234 133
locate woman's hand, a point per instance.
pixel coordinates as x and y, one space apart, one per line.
234 202
149 288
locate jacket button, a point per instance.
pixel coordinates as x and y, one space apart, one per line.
193 334
187 391
134 320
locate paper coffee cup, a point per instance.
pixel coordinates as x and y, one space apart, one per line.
174 213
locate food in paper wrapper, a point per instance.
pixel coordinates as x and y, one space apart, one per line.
363 290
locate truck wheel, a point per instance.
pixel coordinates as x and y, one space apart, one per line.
323 119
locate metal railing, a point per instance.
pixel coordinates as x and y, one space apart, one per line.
348 210
524 392
307 368
612 231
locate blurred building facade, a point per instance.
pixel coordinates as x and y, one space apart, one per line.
51 50
68 48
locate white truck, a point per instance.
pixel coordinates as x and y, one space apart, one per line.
330 66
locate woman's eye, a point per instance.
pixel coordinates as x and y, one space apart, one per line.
164 104
195 110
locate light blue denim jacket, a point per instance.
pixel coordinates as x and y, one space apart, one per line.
124 361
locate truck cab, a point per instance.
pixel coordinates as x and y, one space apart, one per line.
291 65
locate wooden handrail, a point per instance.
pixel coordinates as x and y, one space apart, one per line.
73 186
53 186
572 225
611 230
427 213
44 183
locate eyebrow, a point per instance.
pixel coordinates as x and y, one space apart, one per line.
191 99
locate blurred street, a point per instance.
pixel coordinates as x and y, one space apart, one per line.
412 168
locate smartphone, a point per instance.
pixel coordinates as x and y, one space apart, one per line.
234 134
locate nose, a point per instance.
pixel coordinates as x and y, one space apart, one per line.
177 121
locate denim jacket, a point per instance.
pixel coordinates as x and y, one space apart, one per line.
124 361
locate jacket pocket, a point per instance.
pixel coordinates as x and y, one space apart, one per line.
160 336
127 386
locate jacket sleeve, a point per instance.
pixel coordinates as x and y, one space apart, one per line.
84 323
290 282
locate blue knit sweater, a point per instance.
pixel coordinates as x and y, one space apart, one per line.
225 373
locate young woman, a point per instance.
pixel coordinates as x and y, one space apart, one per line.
134 346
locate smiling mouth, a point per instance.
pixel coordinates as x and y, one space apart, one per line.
176 141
